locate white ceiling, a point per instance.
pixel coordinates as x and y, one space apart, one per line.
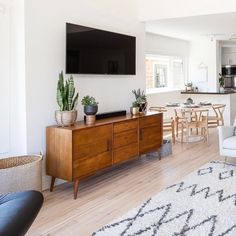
217 26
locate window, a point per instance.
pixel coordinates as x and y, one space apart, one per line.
164 73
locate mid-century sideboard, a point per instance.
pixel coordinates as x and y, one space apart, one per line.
76 152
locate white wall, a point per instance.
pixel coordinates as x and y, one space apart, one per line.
13 119
5 78
159 9
160 99
204 51
158 44
45 57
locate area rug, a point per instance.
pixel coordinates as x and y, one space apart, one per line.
203 203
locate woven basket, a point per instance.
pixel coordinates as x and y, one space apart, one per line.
21 173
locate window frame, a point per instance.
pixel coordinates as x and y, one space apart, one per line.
169 59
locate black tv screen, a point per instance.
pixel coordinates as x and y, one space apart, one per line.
94 51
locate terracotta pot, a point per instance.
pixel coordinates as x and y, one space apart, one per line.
90 119
65 118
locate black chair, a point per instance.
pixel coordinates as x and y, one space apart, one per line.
18 211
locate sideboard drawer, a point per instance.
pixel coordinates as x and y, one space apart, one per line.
89 135
148 121
125 125
91 149
125 153
125 138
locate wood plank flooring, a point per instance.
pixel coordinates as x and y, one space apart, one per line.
112 193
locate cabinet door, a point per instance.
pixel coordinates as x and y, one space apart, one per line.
150 133
92 150
125 142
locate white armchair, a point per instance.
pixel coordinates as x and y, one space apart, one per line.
227 141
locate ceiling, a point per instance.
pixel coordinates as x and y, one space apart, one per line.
215 26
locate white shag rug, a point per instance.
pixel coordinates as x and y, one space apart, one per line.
203 203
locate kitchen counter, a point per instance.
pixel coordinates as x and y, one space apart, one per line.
216 93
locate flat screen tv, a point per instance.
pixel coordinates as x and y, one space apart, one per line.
95 51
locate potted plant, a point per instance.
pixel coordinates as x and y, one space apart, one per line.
221 82
90 108
67 101
189 101
134 110
141 99
189 86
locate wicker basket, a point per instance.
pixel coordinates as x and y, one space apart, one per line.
21 173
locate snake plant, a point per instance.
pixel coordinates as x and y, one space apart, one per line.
66 98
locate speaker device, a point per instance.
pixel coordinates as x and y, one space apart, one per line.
104 115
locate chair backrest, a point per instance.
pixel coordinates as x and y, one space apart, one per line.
200 115
180 112
196 118
219 110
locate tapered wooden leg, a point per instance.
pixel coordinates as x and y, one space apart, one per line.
173 131
52 183
182 133
76 187
177 127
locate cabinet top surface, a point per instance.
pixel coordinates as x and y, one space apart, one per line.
82 125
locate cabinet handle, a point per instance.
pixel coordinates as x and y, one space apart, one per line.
141 134
108 145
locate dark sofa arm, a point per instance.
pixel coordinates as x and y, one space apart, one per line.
18 211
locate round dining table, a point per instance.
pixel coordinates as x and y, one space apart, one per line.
186 110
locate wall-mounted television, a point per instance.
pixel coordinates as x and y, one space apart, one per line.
95 51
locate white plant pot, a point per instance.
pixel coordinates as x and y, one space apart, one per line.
222 89
134 110
65 118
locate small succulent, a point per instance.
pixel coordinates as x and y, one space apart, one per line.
189 84
190 100
89 101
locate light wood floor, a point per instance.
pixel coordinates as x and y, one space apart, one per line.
111 194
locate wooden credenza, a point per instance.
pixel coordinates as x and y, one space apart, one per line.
76 152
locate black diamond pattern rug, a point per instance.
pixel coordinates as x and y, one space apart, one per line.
203 203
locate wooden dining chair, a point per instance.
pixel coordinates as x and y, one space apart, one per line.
179 116
168 122
218 118
195 119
